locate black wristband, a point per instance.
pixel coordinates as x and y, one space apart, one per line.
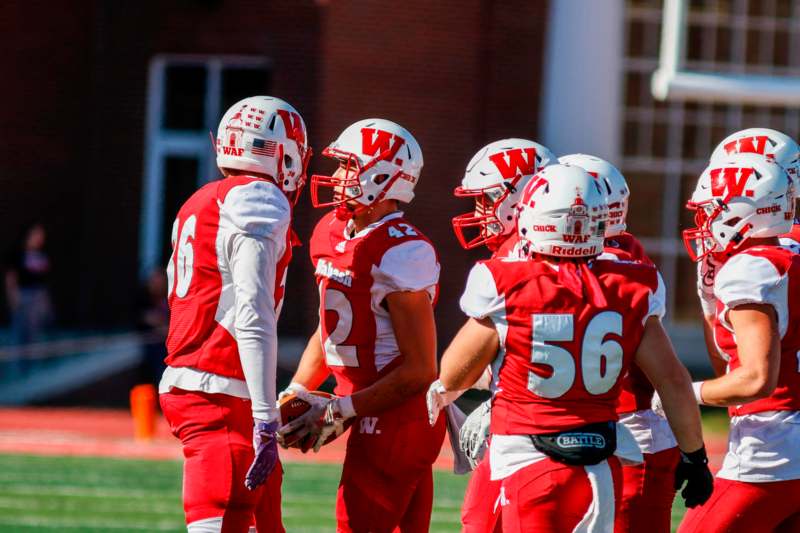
697 457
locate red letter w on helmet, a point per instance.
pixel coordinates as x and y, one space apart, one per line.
294 126
380 143
731 179
748 145
517 163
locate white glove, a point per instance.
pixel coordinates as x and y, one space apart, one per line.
293 388
475 432
438 398
706 273
309 422
336 413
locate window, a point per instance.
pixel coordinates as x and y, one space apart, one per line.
187 96
665 145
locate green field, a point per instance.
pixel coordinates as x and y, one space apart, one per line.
78 494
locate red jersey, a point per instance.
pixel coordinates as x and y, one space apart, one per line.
626 247
637 391
202 296
354 273
791 240
507 247
763 275
567 334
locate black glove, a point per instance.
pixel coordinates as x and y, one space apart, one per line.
693 469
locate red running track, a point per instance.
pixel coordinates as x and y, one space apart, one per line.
109 433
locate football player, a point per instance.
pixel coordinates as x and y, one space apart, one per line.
231 244
562 329
772 145
494 179
378 277
647 488
742 205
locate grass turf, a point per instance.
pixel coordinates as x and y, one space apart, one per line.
87 495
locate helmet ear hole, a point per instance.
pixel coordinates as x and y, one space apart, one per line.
380 178
287 161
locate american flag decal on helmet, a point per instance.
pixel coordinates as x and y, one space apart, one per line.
262 147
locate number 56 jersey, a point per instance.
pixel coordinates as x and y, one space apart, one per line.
568 333
354 273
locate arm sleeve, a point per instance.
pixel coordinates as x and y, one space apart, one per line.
252 262
480 298
410 266
257 208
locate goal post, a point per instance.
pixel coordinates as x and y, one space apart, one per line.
673 81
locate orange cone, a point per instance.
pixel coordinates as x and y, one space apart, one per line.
143 411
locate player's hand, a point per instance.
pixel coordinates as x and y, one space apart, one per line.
475 432
332 422
293 388
265 443
706 274
693 470
307 425
437 399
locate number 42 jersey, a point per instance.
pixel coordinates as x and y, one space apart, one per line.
355 271
568 332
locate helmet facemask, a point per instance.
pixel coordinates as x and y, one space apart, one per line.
699 241
487 217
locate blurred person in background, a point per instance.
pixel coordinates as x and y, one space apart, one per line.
27 292
153 323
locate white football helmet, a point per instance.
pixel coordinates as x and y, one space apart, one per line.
763 141
741 197
494 178
614 184
378 160
563 213
266 135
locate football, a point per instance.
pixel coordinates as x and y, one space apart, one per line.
292 407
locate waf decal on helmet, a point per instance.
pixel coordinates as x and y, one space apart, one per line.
234 131
578 217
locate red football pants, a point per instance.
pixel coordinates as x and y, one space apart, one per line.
387 477
647 494
551 497
739 507
216 431
481 511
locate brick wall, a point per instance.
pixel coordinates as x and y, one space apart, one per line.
457 74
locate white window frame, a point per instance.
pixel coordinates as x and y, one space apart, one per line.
161 143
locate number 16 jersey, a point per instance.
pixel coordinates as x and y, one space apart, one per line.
568 332
354 272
